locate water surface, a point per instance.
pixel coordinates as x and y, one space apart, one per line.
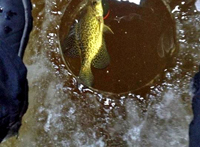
63 113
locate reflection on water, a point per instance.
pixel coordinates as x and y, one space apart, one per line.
62 113
139 33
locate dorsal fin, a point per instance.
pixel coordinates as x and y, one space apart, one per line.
71 45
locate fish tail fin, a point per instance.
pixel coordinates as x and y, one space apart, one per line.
86 75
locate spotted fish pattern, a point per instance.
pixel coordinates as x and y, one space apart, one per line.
86 40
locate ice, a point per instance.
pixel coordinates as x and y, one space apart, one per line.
61 115
197 4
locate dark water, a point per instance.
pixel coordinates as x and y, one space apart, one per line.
63 113
132 48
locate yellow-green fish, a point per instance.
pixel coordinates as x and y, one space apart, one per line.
86 39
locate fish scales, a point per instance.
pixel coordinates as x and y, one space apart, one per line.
89 41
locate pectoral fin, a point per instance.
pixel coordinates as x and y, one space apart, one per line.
102 59
71 46
107 29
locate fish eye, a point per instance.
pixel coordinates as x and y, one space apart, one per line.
94 3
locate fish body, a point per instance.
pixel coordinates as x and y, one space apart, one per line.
86 39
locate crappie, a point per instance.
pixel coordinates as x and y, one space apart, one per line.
86 39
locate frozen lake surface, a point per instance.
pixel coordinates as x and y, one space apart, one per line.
62 114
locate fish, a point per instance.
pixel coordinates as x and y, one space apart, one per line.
86 40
